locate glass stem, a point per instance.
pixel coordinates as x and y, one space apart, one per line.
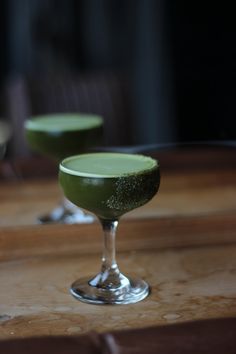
109 277
109 247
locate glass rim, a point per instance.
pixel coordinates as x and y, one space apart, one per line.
33 123
155 165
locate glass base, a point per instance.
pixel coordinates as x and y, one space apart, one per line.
127 292
66 213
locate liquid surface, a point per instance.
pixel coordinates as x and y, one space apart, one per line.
63 122
107 165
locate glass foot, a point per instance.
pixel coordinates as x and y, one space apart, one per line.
66 213
127 292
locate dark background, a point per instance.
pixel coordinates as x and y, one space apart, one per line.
178 58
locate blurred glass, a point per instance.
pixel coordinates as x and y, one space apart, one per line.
58 136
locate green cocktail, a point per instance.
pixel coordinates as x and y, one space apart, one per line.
58 136
62 135
109 185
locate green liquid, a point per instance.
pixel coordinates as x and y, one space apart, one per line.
109 184
61 135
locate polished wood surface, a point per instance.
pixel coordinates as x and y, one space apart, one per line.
183 243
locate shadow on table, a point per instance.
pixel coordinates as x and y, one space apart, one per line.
198 337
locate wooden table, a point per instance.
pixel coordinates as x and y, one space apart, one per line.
183 243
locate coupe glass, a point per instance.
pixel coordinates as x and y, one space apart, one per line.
58 136
109 185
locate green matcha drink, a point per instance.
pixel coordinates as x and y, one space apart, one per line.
58 136
109 185
64 134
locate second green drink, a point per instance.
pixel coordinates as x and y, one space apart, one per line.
58 136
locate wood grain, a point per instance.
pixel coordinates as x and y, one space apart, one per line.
190 264
183 243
